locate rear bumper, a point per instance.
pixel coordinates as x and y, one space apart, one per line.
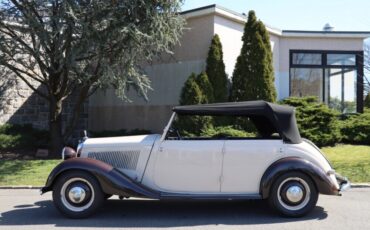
344 183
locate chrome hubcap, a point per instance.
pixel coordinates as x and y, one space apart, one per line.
76 194
294 194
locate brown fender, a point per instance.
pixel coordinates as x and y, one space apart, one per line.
289 164
111 180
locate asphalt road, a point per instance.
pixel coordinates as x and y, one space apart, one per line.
26 209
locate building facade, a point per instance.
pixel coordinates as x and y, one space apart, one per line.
326 64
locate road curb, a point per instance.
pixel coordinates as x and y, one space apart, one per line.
363 185
21 187
360 185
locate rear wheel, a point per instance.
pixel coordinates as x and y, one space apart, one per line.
77 194
293 194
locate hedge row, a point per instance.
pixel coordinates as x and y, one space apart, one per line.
22 137
325 126
316 122
14 137
355 129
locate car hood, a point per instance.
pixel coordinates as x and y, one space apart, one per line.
109 142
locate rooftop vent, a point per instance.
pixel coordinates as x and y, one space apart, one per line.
328 27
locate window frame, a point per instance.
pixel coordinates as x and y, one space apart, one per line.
358 67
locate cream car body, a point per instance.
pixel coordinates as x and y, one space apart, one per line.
287 168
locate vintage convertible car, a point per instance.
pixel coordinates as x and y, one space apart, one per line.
277 165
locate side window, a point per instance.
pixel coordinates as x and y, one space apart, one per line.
195 127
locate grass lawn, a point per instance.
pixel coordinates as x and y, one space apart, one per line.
352 161
25 172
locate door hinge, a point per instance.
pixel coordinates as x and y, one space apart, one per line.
160 149
281 150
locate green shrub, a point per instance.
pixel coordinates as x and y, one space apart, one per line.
9 141
355 129
14 136
117 133
316 121
226 131
193 93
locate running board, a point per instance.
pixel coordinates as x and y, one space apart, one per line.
177 196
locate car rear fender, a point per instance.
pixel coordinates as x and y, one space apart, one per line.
111 180
289 164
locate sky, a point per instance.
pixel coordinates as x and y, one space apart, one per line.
344 15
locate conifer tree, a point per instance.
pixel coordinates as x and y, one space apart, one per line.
253 77
205 87
216 70
192 94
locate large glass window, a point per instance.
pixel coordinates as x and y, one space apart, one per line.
341 59
306 82
341 89
329 75
306 59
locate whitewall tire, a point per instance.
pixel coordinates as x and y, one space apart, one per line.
293 194
77 194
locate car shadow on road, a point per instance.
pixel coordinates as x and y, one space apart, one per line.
152 213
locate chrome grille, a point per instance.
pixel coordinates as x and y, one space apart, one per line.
118 159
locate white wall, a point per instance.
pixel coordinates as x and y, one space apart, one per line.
230 34
275 46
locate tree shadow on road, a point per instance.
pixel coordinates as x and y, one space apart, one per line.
152 213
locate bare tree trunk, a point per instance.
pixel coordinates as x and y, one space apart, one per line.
77 109
55 127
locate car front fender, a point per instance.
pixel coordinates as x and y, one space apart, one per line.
322 181
111 180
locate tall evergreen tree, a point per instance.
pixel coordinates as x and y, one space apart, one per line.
216 70
205 87
192 94
253 77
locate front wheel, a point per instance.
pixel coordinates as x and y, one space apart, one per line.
77 194
293 194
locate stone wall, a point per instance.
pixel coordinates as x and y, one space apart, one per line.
20 105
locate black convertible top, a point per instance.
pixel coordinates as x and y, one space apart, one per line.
268 118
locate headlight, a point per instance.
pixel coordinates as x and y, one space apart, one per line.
68 153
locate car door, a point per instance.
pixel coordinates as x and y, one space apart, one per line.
245 161
189 166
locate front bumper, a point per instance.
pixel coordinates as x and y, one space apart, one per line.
344 183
